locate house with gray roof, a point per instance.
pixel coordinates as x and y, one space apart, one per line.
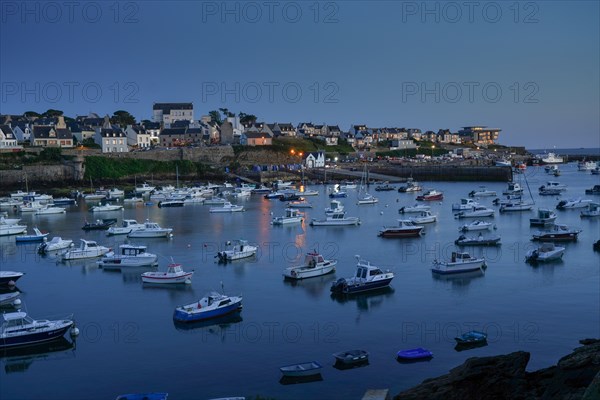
51 136
8 140
167 113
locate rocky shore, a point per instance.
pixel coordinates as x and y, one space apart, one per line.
575 376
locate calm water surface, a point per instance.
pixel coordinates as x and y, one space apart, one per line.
129 343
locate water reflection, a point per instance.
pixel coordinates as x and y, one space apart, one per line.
365 302
313 286
216 327
469 346
292 380
20 359
460 282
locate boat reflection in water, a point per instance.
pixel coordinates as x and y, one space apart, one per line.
367 300
216 326
19 359
292 380
314 286
469 346
460 281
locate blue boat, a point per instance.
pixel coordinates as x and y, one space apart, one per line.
337 195
368 277
213 305
38 236
18 329
471 337
414 354
143 396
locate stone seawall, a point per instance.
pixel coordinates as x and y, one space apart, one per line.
208 155
39 174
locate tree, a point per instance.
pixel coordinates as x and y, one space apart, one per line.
52 113
122 118
31 114
246 119
226 112
216 116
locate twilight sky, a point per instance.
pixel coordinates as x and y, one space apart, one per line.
529 68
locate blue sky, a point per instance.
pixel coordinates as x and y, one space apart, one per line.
529 68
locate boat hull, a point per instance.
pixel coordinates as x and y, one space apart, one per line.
306 272
33 338
400 233
362 287
184 316
166 279
10 279
124 262
345 222
550 237
147 234
449 268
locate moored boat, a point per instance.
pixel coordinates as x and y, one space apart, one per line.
213 305
335 219
226 208
367 199
384 188
144 396
48 210
9 299
126 227
593 210
302 369
459 262
417 208
291 216
571 204
424 217
38 236
475 212
518 205
482 192
9 277
314 265
414 354
593 190
18 329
173 275
475 226
128 256
431 195
545 252
512 189
106 208
99 224
558 233
237 250
351 357
411 186
471 337
480 240
56 244
87 249
465 204
338 194
150 230
368 277
405 228
544 217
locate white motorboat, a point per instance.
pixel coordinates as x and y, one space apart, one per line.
551 158
281 184
593 210
573 204
544 217
18 195
144 188
367 199
126 227
425 217
133 200
507 200
503 163
553 185
299 204
460 262
291 216
9 299
56 244
10 204
405 228
10 277
226 208
475 226
336 219
417 208
174 274
87 249
309 193
335 207
150 230
237 249
551 169
106 207
476 212
7 230
518 205
128 256
545 252
557 233
465 204
513 188
114 192
9 221
31 206
314 265
411 186
586 165
348 186
480 240
482 192
18 329
47 210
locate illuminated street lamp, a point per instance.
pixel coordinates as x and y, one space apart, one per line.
432 147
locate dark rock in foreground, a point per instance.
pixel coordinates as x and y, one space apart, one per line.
504 377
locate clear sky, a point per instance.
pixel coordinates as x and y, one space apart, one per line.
529 68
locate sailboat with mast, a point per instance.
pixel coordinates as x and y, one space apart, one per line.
364 197
519 204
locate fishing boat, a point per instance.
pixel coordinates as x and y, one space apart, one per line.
9 299
335 219
38 236
128 256
480 240
171 202
431 195
237 250
106 208
518 205
99 224
405 228
417 208
592 211
18 329
554 185
9 277
550 192
459 262
414 354
411 186
513 188
338 194
476 212
475 226
544 217
424 217
226 208
551 158
301 370
367 199
384 188
335 206
126 227
299 204
144 188
368 277
571 204
482 192
557 233
351 357
144 396
173 275
546 252
594 190
56 244
291 216
290 197
314 265
7 230
586 165
150 230
471 337
47 210
465 204
86 249
213 305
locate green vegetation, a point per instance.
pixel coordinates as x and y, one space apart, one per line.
114 168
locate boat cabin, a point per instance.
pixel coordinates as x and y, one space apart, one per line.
129 222
130 250
312 259
291 213
174 269
460 257
366 272
87 244
546 248
15 321
338 216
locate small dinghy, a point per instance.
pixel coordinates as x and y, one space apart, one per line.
38 236
471 338
417 354
8 299
100 224
302 369
351 357
475 226
546 252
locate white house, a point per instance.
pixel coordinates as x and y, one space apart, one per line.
314 160
8 140
138 137
22 131
167 113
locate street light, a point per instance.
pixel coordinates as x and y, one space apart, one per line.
432 147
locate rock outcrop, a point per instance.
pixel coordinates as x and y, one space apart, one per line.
576 376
